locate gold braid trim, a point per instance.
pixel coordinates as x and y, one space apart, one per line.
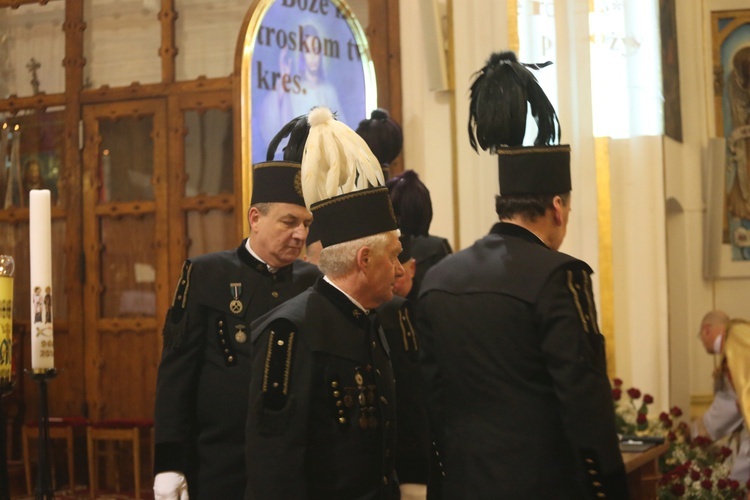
577 301
184 276
404 336
531 150
268 360
287 164
405 317
590 300
348 196
187 285
288 366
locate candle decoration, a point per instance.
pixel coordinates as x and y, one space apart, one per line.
7 266
40 257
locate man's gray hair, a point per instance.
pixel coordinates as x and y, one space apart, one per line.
262 207
340 259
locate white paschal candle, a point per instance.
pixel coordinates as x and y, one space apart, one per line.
40 258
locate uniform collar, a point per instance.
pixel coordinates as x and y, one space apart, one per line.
250 250
250 258
510 229
343 302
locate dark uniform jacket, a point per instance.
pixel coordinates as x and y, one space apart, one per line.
426 251
413 434
516 370
321 417
201 394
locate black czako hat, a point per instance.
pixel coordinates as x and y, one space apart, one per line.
277 182
352 216
281 181
501 94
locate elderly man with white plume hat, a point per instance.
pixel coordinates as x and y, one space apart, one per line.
321 415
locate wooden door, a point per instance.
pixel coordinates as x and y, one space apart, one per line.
125 207
203 179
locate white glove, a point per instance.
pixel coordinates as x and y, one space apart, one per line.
170 486
413 491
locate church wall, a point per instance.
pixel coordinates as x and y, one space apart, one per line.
656 315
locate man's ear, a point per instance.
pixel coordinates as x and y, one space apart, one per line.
557 210
253 214
411 266
364 254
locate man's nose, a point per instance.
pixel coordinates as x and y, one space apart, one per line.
399 269
300 232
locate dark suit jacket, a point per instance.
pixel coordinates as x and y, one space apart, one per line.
516 370
201 395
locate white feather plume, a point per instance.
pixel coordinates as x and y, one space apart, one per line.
336 159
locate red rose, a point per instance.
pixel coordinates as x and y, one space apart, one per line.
648 399
702 441
707 484
734 484
707 473
722 483
663 416
725 451
675 411
616 394
642 419
617 382
671 436
634 393
678 489
695 475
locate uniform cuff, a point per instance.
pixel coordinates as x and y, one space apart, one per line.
169 457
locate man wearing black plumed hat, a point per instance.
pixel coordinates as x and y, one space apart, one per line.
513 356
201 395
321 414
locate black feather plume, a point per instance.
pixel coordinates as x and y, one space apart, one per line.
297 129
498 105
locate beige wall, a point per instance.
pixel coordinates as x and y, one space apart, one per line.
656 193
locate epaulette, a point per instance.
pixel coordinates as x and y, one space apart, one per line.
579 285
278 363
176 321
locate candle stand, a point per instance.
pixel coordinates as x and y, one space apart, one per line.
43 490
6 387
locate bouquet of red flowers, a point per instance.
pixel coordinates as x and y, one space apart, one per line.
692 468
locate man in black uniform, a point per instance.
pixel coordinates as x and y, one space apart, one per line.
321 417
413 433
512 353
201 397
